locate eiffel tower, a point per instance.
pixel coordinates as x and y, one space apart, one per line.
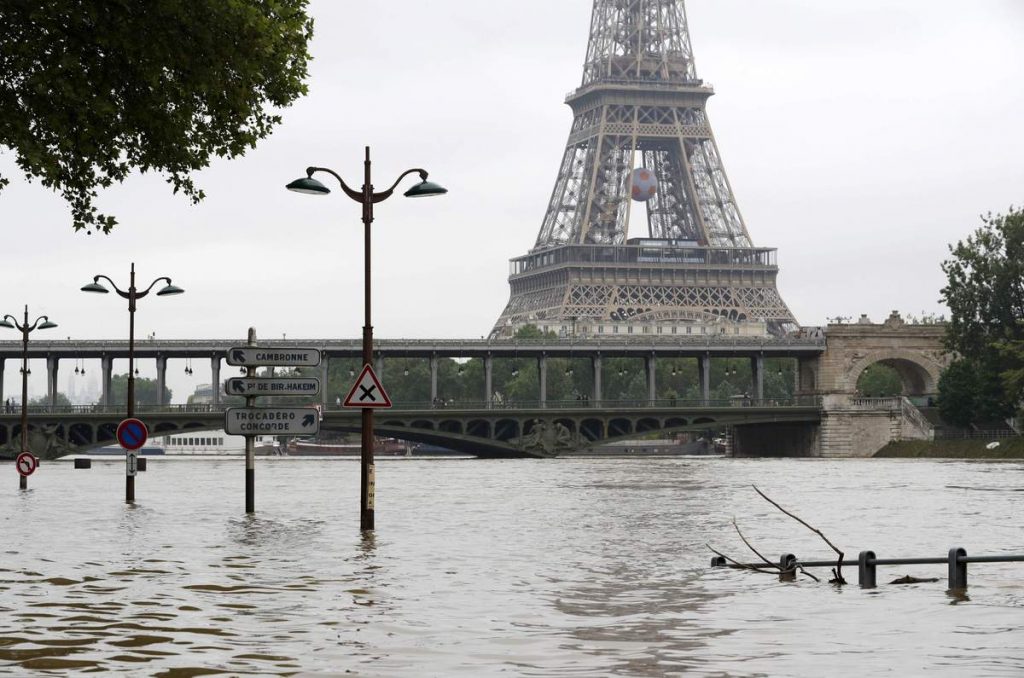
640 112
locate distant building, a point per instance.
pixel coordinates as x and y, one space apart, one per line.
203 395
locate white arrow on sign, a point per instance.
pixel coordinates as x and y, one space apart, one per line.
250 356
367 391
276 421
270 386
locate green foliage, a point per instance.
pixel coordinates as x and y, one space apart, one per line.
145 390
61 400
879 381
958 389
93 89
985 292
985 285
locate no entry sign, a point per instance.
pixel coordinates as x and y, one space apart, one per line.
132 434
26 463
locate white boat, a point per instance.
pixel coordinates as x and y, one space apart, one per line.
213 443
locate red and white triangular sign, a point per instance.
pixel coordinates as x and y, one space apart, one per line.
367 391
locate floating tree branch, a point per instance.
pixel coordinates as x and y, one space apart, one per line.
837 572
758 554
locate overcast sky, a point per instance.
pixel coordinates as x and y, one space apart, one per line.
861 137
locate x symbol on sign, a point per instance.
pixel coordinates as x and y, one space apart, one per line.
367 392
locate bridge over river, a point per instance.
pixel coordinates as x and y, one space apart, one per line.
532 429
826 417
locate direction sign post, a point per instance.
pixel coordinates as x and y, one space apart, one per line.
263 386
275 421
251 421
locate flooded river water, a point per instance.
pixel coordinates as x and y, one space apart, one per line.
571 567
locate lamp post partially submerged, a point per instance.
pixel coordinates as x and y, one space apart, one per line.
132 295
366 197
10 322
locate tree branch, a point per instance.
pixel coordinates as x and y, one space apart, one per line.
838 572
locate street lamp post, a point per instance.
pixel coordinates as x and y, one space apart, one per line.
10 322
132 295
367 198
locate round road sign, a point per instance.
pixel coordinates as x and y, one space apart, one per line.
132 434
26 463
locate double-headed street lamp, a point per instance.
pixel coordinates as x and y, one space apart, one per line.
132 295
366 197
41 323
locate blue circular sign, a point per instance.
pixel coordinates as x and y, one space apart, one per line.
132 434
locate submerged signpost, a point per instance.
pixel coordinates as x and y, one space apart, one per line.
251 421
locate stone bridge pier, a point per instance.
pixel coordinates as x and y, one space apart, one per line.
852 425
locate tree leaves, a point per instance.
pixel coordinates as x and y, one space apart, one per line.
985 292
94 89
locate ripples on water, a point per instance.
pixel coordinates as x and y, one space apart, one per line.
588 567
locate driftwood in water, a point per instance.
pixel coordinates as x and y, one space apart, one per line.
773 568
907 579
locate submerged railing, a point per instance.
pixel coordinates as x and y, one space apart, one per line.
867 565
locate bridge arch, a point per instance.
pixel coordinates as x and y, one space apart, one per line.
918 374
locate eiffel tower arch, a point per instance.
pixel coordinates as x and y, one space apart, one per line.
640 107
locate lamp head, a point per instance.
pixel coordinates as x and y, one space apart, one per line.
46 324
170 289
95 287
425 189
6 323
309 186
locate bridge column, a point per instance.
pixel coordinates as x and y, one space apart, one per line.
757 372
488 380
542 373
161 378
215 379
378 366
704 376
595 367
106 368
2 399
433 378
652 386
325 394
51 380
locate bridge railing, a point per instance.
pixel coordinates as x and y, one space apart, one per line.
573 404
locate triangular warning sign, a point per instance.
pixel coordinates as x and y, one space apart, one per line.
367 391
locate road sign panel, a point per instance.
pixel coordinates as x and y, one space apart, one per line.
26 463
251 356
271 386
367 391
131 464
277 421
132 434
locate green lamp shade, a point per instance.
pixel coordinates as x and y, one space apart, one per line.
425 189
6 323
308 185
47 325
170 289
94 287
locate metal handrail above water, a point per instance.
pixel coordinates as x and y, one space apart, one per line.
867 563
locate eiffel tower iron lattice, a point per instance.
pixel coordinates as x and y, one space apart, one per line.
641 109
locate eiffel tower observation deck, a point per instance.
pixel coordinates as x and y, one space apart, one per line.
640 139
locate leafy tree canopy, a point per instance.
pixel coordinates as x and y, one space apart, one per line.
985 292
145 390
985 285
92 89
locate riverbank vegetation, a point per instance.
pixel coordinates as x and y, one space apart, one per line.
1008 448
985 294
